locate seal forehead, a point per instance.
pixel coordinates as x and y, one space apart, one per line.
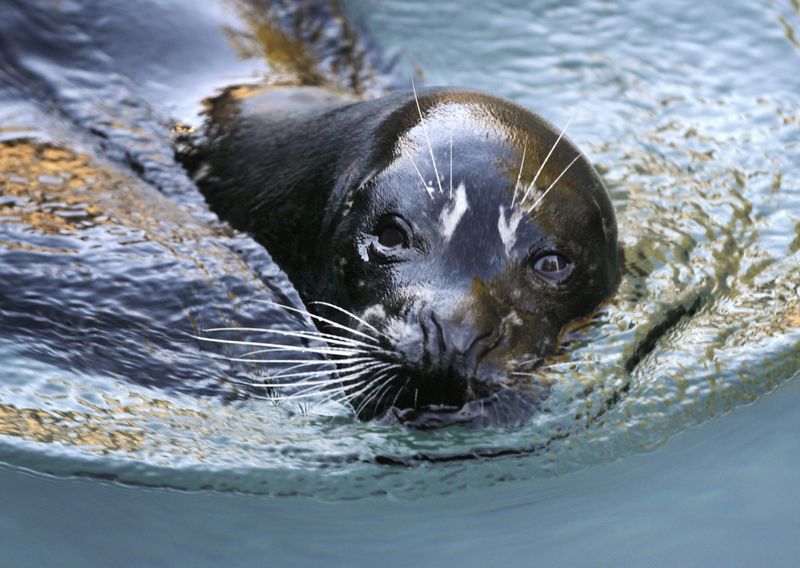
457 126
459 120
488 183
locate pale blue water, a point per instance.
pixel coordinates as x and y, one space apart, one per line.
690 111
721 495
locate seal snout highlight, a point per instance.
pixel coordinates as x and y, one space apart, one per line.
441 357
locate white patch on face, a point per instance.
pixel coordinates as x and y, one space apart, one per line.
363 252
375 312
452 215
508 228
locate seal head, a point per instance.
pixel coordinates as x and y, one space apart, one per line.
459 231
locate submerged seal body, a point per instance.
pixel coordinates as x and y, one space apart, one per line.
458 231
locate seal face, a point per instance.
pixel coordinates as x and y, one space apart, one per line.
452 234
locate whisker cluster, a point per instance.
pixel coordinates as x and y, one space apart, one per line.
521 195
352 365
427 139
526 195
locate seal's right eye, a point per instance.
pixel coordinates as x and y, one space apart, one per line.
553 267
392 235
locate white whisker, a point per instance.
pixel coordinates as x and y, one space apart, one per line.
528 361
315 336
244 359
552 185
399 391
352 315
305 394
260 351
385 388
451 165
336 377
303 362
325 320
344 399
425 131
419 173
370 384
374 384
299 366
567 364
307 363
377 384
519 175
314 391
379 387
313 385
296 348
340 371
544 163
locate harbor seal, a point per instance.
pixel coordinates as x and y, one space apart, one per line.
444 236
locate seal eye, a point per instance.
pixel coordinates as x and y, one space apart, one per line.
554 267
392 236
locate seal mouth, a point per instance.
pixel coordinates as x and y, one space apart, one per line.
420 387
407 375
505 408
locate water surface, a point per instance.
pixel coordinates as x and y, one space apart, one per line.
679 451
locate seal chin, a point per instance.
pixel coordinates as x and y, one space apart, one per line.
506 408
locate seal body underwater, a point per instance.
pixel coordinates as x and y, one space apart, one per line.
450 234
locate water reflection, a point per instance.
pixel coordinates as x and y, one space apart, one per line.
44 188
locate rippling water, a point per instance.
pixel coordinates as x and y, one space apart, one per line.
109 261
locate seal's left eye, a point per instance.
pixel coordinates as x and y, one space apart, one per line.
392 236
553 266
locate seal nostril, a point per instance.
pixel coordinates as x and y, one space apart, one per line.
442 343
483 344
426 354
